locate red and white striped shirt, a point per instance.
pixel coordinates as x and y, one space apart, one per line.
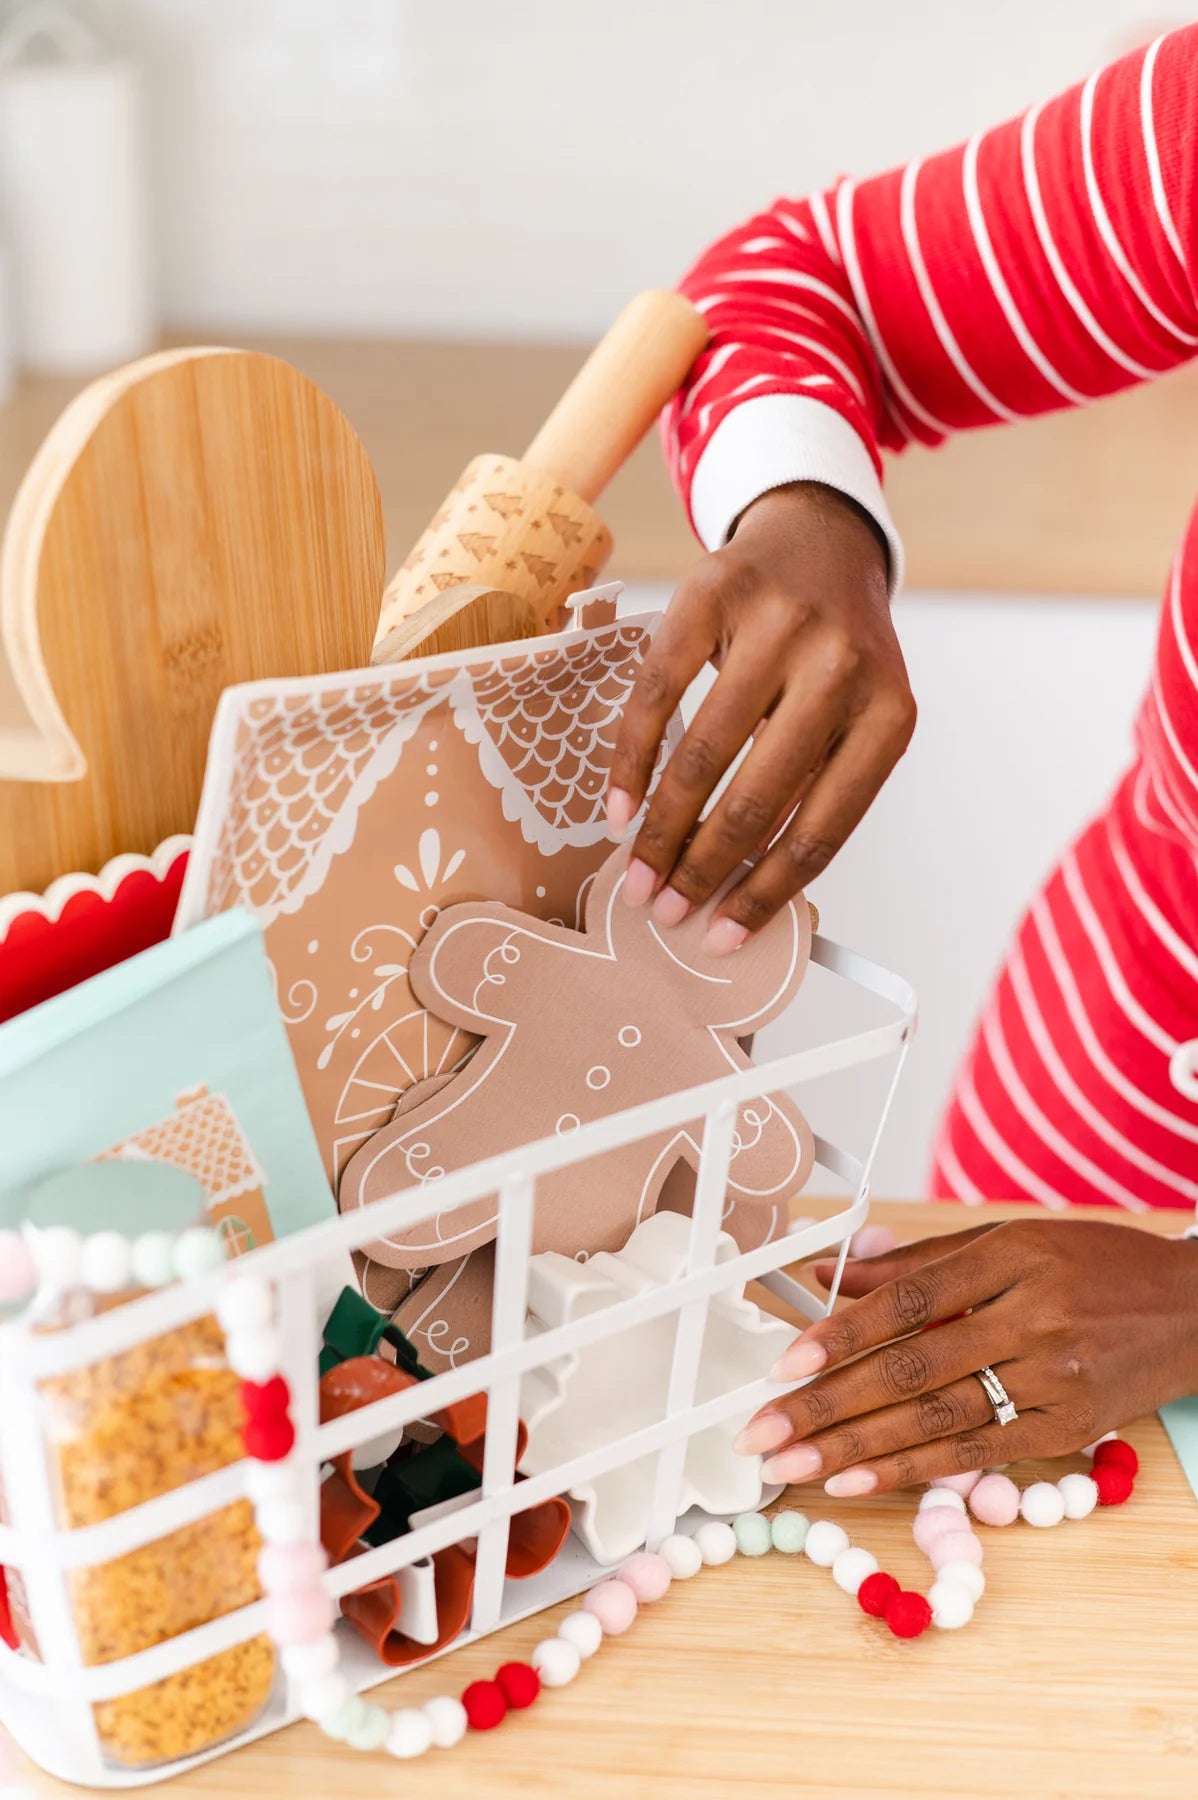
1043 264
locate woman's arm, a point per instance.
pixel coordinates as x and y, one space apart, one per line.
1044 264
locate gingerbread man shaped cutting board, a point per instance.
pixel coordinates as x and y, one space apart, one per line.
578 1026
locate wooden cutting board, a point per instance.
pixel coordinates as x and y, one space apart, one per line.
199 518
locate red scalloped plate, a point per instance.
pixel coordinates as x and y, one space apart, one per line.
84 924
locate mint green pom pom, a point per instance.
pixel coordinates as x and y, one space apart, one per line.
350 1718
752 1533
788 1532
371 1734
153 1257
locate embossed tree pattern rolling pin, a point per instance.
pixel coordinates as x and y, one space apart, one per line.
514 538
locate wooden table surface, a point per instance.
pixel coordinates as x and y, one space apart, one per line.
1076 1680
1089 502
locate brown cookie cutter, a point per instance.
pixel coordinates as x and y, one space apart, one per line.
347 1513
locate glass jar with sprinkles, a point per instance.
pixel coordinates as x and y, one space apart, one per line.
122 1431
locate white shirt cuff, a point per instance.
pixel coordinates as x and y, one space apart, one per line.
779 438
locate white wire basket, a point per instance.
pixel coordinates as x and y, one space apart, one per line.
47 1704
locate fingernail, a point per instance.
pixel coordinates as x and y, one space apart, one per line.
804 1357
799 1463
670 908
851 1484
639 883
620 810
724 936
761 1434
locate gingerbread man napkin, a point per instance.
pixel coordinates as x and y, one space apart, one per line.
578 1026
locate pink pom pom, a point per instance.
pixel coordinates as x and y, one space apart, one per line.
995 1500
8 1758
647 1575
282 1568
18 1277
935 1523
873 1240
960 1484
300 1617
613 1604
956 1546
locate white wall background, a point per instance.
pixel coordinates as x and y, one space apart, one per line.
458 166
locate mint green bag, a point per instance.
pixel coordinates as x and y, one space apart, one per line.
177 1056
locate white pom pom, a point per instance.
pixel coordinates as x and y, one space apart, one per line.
683 1555
272 1481
324 1696
447 1717
583 1630
244 1304
951 1604
965 1575
825 1541
411 1733
716 1543
1104 1439
1042 1504
941 1497
851 1567
57 1256
152 1258
1080 1495
308 1662
282 1521
107 1262
254 1355
556 1661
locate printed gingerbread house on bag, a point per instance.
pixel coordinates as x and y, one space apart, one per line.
346 812
204 1138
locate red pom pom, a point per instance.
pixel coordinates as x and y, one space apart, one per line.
520 1683
1114 1483
1119 1454
485 1705
268 1440
908 1614
265 1399
8 1631
876 1592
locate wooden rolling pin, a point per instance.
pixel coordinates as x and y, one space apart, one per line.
514 538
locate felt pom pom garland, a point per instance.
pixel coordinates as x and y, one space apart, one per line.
301 1614
58 1259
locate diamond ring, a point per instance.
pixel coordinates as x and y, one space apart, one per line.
1000 1400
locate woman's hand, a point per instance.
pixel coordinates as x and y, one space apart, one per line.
795 615
1087 1326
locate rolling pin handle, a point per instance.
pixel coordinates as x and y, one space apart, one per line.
613 400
